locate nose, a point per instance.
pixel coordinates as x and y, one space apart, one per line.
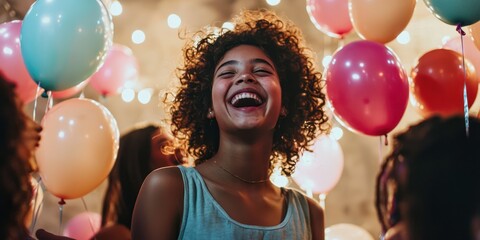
246 78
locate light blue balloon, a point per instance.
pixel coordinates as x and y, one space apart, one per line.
64 42
455 12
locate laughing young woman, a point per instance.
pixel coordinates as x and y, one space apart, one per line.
249 98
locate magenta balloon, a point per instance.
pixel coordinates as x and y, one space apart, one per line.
367 87
11 61
330 16
319 171
120 66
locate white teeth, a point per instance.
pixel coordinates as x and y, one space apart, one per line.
246 95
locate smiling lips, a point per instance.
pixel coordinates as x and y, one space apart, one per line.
246 99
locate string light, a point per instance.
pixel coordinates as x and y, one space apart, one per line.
145 95
128 95
116 8
138 36
273 2
174 21
403 37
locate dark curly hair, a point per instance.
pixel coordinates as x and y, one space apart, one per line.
431 180
15 187
301 85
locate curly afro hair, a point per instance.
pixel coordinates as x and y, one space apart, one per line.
301 86
15 187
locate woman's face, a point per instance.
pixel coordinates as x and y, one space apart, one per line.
163 153
246 91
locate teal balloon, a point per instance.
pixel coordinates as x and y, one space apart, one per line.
455 12
63 42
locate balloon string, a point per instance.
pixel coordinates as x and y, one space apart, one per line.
341 42
35 103
35 209
380 151
465 96
60 208
322 199
49 102
309 192
90 221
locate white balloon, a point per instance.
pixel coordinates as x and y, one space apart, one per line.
319 171
346 231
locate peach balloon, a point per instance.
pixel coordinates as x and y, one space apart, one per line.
78 147
319 171
474 30
380 20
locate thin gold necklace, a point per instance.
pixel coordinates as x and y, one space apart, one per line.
238 177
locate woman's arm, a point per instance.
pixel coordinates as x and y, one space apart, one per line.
159 206
317 222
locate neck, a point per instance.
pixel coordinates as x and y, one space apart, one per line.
248 160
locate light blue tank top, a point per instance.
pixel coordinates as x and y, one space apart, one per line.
204 218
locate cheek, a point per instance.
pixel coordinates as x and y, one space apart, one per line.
275 91
219 89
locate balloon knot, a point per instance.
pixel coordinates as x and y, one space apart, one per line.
386 140
61 202
45 94
460 30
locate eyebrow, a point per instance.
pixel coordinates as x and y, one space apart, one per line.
255 60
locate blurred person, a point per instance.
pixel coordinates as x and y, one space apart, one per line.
429 186
141 151
19 137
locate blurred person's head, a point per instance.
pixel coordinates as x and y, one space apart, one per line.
19 136
141 151
431 180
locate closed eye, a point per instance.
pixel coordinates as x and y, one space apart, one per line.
262 71
226 74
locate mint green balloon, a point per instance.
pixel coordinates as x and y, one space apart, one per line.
64 42
455 12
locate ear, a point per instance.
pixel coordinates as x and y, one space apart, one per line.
283 112
211 114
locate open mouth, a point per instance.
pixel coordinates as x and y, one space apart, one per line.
246 99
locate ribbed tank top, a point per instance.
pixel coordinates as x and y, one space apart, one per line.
204 218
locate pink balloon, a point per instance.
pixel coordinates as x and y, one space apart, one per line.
78 148
319 171
11 61
120 66
83 226
70 91
330 16
367 87
469 48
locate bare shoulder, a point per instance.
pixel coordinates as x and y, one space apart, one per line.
159 206
317 221
163 179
